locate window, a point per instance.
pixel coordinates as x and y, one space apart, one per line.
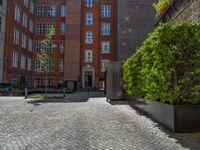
52 11
50 47
24 20
62 47
39 82
39 65
32 7
63 11
23 60
17 13
39 46
104 65
50 82
50 65
14 59
62 28
88 56
89 3
40 28
26 3
105 47
30 45
14 80
89 19
24 40
89 37
41 10
105 31
61 65
50 26
29 64
105 10
16 36
31 26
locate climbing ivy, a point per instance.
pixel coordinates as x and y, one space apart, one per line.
167 66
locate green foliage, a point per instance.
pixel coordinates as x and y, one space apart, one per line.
167 66
161 5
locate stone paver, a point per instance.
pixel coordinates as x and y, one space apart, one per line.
88 124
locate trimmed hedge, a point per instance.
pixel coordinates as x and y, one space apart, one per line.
166 68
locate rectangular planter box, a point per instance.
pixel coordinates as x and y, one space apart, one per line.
177 118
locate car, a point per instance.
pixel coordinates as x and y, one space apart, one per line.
5 88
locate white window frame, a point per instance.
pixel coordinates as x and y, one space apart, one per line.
30 45
62 47
17 13
89 37
88 56
105 47
105 31
62 10
89 3
16 36
61 67
104 63
89 19
29 64
62 28
23 62
52 11
41 10
106 11
24 41
15 59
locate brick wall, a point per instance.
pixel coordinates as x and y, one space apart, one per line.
72 41
189 12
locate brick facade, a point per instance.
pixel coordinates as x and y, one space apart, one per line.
2 36
77 73
55 76
16 72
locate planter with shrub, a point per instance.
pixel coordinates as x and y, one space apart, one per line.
166 70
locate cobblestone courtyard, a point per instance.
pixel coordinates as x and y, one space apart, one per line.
80 123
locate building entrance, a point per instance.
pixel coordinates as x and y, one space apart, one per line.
88 79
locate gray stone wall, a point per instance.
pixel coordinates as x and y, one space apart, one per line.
135 21
2 37
188 13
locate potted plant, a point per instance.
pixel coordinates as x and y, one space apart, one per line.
165 74
162 6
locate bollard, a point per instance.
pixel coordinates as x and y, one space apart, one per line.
64 92
26 92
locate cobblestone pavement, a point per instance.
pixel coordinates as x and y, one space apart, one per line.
81 124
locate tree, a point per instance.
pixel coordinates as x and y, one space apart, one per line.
44 54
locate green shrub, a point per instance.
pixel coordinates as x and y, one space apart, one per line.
161 5
167 66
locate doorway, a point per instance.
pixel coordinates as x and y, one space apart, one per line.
88 79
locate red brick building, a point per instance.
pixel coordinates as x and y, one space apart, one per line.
19 37
85 39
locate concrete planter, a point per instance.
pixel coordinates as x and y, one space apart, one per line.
177 118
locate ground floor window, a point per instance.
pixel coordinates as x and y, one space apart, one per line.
14 80
102 85
39 82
